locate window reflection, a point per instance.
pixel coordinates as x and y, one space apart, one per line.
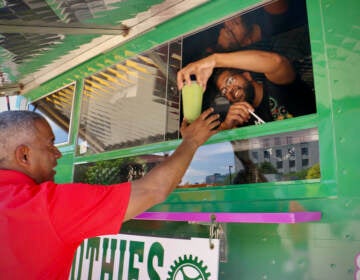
56 108
262 159
132 103
257 160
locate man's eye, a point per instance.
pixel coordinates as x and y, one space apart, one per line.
229 81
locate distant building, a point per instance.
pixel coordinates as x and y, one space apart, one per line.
289 153
215 178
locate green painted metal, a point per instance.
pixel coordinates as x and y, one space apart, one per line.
66 162
319 250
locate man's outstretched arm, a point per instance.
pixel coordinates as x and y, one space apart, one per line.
155 186
275 67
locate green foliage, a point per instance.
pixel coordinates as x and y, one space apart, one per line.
309 173
300 175
267 168
114 171
313 172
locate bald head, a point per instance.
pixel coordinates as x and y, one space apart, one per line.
16 128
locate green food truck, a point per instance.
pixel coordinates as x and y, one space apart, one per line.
276 196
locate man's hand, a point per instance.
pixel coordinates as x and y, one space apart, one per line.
237 115
202 69
201 129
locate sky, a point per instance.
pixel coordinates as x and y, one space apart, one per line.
209 159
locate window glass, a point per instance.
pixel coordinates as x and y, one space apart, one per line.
56 108
304 151
235 162
132 103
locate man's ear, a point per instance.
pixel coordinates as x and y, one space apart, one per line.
22 155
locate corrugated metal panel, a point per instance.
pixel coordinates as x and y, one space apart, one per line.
37 40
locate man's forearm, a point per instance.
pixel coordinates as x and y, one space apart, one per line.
251 60
156 185
168 174
276 67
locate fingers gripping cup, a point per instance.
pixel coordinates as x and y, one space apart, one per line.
192 95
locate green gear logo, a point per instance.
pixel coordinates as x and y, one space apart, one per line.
188 268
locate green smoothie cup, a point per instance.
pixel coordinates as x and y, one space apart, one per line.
192 95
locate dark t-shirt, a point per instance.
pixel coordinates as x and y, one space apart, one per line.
279 101
285 101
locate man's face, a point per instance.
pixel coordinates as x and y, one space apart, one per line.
235 87
43 154
233 34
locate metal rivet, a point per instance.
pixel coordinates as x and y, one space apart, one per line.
347 203
347 236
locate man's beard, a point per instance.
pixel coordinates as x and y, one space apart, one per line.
249 90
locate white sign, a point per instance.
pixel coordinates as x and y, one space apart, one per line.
137 257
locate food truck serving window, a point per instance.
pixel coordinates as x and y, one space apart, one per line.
274 28
136 102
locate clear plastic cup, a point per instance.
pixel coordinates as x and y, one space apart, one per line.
192 95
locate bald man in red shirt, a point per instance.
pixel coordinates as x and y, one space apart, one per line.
42 223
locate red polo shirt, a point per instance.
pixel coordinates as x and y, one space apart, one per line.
42 225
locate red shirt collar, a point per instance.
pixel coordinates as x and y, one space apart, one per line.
14 177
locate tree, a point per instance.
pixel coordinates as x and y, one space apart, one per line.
313 172
267 168
114 171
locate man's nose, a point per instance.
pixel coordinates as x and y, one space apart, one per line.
57 153
231 89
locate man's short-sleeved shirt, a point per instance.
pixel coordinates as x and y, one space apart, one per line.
286 101
41 225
